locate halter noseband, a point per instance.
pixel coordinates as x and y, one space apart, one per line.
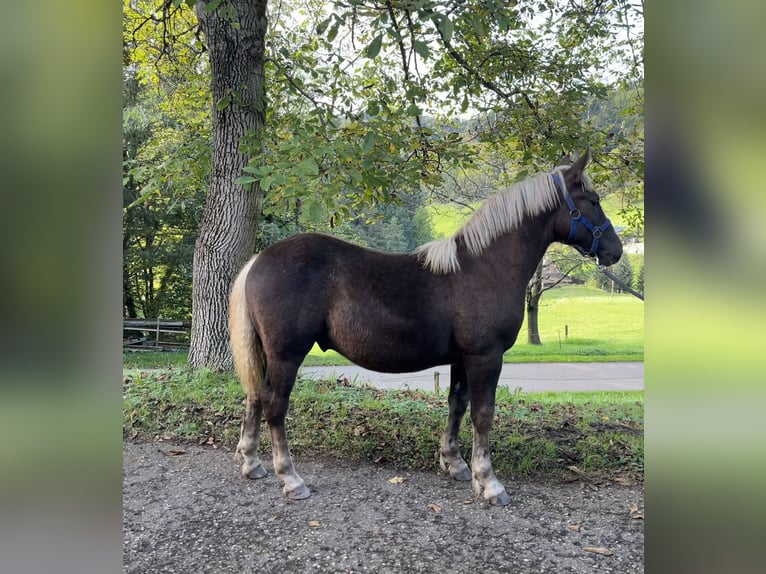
578 218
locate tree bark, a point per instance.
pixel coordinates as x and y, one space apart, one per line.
228 228
534 292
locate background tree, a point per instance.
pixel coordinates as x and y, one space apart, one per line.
235 36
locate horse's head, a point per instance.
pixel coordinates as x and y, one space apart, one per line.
580 221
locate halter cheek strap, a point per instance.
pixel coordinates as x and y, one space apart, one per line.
578 218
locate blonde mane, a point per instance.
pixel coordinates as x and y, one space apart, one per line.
498 215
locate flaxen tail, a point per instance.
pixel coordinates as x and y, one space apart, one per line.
249 361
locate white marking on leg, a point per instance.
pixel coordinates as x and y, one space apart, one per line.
252 467
484 478
294 486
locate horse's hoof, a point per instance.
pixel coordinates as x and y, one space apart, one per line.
500 499
253 471
297 493
463 475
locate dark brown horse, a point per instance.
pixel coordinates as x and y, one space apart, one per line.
458 301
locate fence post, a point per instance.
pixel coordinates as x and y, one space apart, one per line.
436 382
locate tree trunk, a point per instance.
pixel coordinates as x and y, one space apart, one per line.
534 292
228 228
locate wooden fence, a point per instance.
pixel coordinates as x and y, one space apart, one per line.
156 334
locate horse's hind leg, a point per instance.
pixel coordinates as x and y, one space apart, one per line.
247 447
449 456
280 378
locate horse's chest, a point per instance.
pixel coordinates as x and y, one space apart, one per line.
480 327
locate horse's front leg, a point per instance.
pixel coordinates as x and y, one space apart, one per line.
449 456
483 373
279 381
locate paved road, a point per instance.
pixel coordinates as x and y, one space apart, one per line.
530 377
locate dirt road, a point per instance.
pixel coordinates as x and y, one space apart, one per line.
187 510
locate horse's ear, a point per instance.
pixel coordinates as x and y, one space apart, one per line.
574 173
564 161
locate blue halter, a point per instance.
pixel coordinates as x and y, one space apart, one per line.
578 218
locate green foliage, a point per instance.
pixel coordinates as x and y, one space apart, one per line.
638 284
166 156
165 165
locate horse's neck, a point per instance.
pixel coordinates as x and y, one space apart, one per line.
519 252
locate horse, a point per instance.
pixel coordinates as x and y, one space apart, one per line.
457 301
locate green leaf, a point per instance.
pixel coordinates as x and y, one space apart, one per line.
369 141
246 180
210 6
224 102
373 48
312 210
322 26
373 108
413 110
308 167
446 27
258 171
333 31
422 49
267 182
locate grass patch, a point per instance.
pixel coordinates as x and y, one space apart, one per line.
539 436
153 359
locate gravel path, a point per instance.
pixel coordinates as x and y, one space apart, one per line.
186 509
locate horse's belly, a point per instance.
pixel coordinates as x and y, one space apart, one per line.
390 350
396 364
